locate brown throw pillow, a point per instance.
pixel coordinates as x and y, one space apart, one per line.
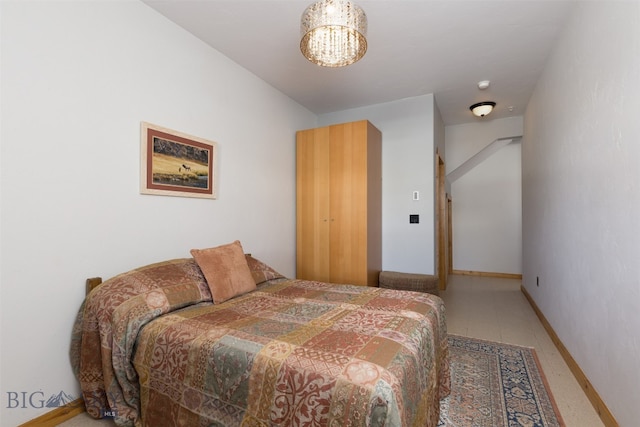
226 270
260 271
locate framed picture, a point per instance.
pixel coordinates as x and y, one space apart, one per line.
176 164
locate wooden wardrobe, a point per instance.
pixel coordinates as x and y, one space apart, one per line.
339 203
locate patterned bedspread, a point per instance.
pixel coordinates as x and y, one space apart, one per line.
151 349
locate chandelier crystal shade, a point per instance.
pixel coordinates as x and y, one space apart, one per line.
333 33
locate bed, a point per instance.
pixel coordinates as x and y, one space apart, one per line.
158 346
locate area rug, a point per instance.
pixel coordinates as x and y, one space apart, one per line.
496 385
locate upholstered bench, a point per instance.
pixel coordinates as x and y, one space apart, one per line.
409 282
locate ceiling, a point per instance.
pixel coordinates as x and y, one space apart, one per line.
415 47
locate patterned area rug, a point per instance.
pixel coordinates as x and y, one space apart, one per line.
496 385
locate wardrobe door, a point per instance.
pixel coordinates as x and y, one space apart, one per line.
348 202
312 206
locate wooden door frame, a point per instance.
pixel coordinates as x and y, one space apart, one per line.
441 222
449 234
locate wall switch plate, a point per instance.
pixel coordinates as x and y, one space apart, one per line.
416 195
414 219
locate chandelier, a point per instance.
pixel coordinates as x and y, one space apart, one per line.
333 33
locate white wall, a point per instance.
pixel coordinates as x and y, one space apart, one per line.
407 128
581 198
487 201
77 79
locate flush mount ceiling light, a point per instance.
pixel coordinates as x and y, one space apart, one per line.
481 109
333 33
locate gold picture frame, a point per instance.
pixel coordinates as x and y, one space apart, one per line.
173 163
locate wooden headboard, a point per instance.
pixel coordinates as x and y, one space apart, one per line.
92 283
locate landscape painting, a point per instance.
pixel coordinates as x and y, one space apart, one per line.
176 164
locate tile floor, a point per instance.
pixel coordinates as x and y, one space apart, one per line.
496 310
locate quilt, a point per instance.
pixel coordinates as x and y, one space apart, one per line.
150 348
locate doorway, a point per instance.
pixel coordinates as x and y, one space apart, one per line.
443 249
